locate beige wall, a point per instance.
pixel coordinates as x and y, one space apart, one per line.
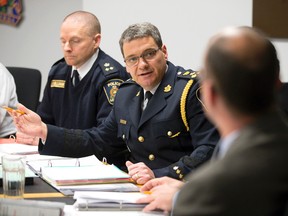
35 42
185 25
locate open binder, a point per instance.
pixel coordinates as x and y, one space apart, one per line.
78 171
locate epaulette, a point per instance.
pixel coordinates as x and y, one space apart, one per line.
57 62
107 67
189 74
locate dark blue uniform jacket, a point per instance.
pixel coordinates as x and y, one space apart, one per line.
172 136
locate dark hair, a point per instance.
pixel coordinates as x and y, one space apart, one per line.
247 81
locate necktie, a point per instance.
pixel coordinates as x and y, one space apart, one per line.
75 78
147 98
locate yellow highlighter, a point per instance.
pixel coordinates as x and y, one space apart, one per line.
9 109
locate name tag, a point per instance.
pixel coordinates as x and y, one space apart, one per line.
57 84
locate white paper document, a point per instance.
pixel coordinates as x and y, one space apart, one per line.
90 200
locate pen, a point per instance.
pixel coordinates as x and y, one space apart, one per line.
9 109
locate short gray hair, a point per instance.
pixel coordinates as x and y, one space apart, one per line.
140 30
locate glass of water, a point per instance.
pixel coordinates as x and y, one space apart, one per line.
13 171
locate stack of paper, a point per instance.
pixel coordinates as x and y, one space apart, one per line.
89 201
16 148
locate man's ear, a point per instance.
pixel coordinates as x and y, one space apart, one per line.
97 40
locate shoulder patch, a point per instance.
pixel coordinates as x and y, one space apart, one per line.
110 88
188 74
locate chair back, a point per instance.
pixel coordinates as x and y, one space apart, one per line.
284 98
28 85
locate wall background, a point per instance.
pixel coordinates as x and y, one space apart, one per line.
185 25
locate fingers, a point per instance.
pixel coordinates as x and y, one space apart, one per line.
23 108
154 183
128 164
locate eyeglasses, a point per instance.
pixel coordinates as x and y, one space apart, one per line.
147 55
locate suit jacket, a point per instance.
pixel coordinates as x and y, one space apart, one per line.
251 178
158 136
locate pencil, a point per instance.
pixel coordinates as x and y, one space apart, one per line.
9 109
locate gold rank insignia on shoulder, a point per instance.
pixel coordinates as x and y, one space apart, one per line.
167 88
57 84
110 88
188 74
194 74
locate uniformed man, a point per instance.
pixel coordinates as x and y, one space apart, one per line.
166 134
83 100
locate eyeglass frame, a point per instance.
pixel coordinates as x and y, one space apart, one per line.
146 52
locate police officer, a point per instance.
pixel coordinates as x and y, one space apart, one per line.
81 99
81 87
166 134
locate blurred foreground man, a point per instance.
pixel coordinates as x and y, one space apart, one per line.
240 81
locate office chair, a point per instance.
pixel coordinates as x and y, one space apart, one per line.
284 99
28 85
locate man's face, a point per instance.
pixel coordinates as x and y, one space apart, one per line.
76 44
150 68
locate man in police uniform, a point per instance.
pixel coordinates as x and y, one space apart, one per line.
85 101
167 135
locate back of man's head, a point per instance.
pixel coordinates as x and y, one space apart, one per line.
244 67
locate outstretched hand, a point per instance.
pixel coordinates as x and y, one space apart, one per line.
29 123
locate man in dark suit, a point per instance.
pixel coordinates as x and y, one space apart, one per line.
166 135
247 174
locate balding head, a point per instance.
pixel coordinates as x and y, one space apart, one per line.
244 67
85 19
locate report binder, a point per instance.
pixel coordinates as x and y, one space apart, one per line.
77 171
118 201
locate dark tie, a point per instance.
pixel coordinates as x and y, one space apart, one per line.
75 78
147 98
